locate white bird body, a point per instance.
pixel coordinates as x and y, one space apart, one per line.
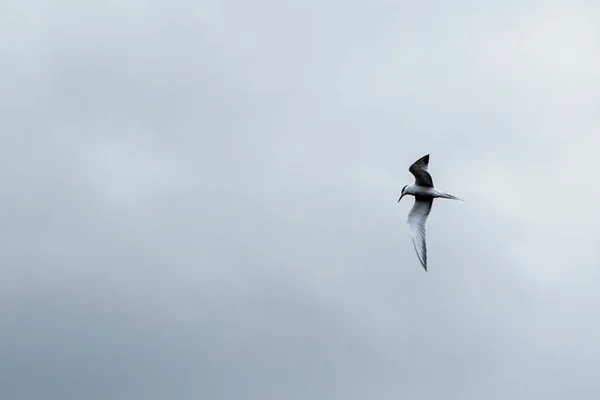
424 193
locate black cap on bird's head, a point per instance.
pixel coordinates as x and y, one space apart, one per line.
402 193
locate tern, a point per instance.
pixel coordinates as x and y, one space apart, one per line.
424 193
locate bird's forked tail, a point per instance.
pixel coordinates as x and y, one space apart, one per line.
444 195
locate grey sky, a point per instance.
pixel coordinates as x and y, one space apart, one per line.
199 200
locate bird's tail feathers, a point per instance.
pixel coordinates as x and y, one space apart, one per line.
444 195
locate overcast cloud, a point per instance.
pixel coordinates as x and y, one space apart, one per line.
199 200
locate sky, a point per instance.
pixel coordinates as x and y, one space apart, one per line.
200 200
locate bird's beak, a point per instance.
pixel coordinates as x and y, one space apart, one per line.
400 198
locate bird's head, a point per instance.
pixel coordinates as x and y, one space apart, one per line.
403 193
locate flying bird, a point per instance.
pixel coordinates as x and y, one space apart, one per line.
424 193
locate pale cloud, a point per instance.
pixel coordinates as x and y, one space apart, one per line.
200 200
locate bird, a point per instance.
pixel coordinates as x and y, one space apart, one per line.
424 193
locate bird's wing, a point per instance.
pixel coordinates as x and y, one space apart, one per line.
419 170
416 221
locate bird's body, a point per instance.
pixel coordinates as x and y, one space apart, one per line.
424 193
427 191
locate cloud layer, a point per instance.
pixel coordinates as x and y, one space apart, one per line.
200 200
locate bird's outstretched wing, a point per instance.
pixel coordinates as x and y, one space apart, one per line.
416 221
419 170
